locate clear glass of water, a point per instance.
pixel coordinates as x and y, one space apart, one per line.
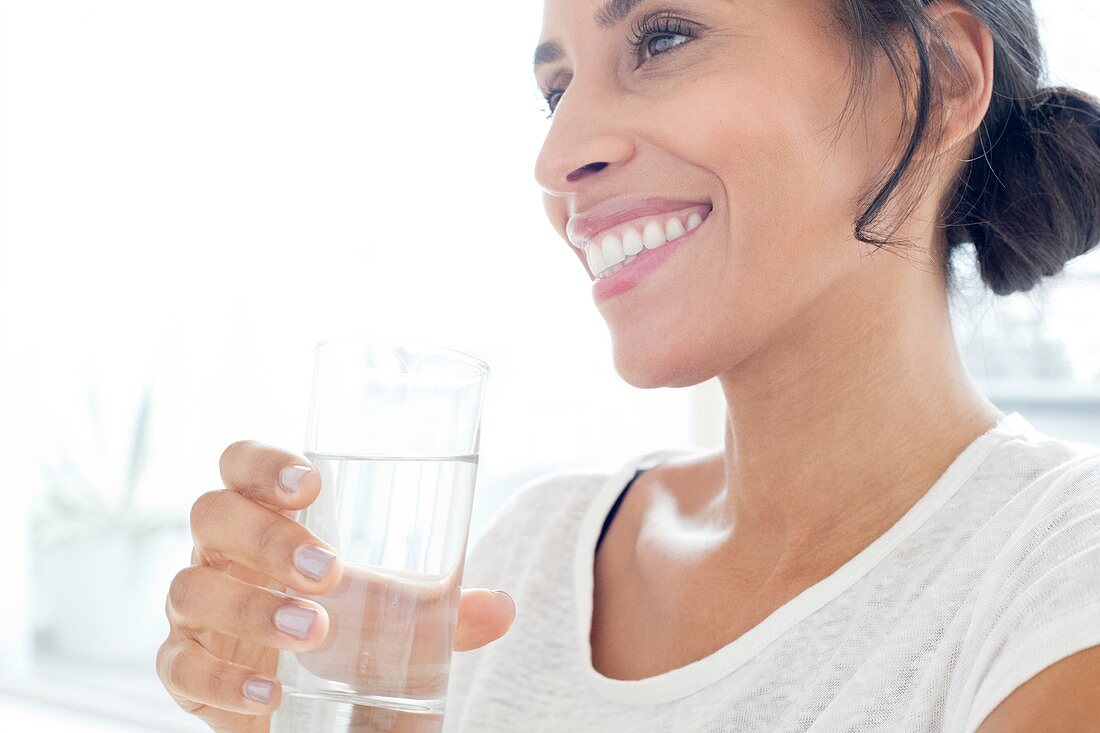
393 430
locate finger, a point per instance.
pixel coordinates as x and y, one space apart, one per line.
483 616
203 598
270 475
229 526
195 677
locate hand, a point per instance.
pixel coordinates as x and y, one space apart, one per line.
228 611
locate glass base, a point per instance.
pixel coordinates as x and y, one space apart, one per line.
320 711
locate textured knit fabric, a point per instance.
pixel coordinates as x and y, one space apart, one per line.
992 576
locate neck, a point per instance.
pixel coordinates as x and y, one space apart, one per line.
849 414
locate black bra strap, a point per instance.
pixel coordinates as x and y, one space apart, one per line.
615 506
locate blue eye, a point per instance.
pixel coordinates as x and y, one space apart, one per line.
662 43
656 34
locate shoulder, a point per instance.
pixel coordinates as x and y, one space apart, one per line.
1032 455
1036 626
1056 485
1037 476
535 501
556 491
1048 554
548 508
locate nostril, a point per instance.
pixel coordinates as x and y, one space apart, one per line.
584 170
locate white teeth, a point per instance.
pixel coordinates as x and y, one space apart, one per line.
612 269
612 253
632 242
595 259
673 228
653 236
612 250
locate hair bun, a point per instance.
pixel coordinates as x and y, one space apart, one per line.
1032 202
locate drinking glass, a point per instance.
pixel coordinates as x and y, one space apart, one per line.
393 430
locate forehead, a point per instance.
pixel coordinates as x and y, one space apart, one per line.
599 13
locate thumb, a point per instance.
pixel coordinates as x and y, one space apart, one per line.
483 616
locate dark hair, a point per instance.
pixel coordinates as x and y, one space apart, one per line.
1029 196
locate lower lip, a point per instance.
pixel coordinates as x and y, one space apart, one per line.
646 262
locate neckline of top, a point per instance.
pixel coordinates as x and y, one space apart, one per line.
689 678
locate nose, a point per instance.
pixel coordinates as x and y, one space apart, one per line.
585 137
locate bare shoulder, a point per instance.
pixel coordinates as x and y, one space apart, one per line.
1062 699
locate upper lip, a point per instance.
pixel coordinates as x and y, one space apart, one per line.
585 226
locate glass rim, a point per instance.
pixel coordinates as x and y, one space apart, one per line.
482 369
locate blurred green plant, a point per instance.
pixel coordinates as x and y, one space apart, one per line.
74 506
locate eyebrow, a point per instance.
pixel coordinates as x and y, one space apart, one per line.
547 53
612 13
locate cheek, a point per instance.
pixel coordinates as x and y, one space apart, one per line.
767 135
787 195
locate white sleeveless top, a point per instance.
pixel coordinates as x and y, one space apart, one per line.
993 575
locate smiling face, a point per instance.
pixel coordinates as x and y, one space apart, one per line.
729 109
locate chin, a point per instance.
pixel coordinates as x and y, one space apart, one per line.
662 363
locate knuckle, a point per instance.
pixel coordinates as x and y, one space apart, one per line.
175 669
205 506
233 452
181 591
162 660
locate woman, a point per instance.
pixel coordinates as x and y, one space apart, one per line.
875 547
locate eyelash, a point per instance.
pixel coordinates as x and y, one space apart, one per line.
659 24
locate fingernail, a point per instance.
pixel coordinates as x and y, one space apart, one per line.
259 690
295 620
313 561
507 595
291 476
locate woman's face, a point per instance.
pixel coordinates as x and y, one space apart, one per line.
728 109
